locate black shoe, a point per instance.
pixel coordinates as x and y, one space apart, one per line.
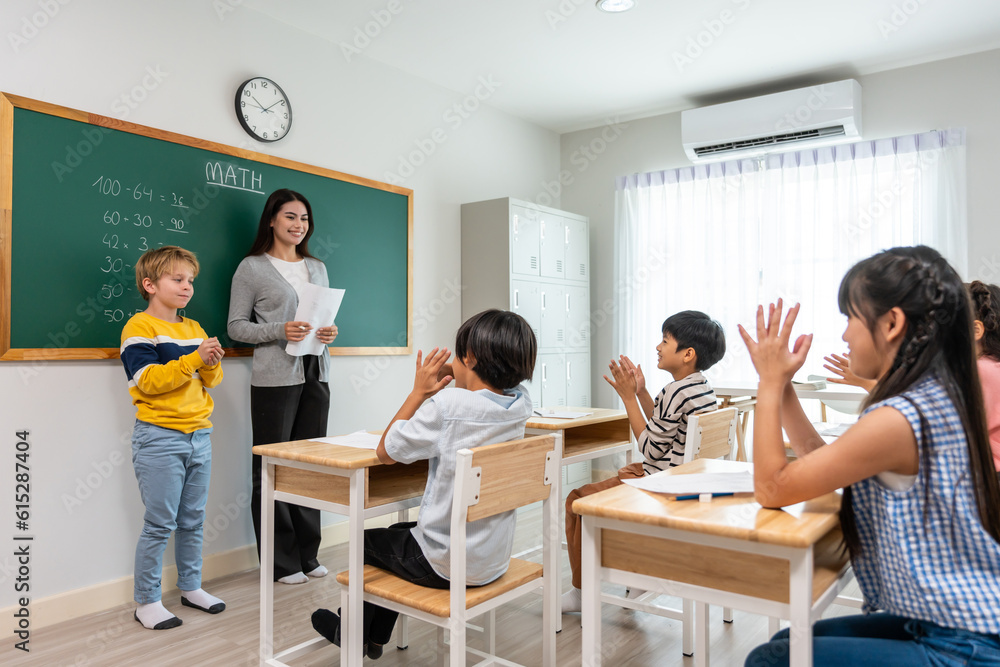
327 624
374 651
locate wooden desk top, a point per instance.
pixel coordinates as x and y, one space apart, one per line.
597 416
739 517
832 391
318 453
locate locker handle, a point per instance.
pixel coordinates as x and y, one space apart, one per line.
541 228
543 300
567 302
544 368
567 235
569 370
515 223
516 306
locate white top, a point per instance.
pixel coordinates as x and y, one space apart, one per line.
296 273
451 420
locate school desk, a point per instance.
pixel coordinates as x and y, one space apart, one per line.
743 396
343 480
728 552
600 433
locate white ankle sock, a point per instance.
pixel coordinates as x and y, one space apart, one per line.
297 578
201 599
320 571
572 601
152 614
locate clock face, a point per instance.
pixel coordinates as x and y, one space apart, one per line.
263 109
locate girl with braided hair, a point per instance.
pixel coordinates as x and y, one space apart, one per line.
921 506
986 328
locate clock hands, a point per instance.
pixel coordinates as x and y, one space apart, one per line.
278 102
260 106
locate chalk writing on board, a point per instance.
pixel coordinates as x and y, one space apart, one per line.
237 178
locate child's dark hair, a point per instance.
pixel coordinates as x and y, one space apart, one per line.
938 341
986 309
265 234
693 328
503 345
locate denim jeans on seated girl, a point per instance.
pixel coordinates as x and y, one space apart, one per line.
173 470
885 640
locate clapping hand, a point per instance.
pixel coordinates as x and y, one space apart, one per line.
211 351
775 363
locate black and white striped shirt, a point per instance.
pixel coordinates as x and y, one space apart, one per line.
662 442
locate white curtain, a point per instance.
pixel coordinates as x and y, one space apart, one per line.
724 237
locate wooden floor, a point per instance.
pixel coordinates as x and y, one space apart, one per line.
230 639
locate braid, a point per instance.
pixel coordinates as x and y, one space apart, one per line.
986 309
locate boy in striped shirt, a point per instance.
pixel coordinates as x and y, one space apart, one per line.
692 342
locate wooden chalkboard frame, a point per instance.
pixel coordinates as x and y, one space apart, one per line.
9 102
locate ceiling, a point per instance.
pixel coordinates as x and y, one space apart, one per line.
564 65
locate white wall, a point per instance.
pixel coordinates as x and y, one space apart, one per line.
357 117
959 92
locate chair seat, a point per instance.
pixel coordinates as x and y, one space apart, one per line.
437 601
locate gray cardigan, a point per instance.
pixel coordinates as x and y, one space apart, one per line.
261 302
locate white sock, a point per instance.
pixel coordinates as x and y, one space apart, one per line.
152 614
320 571
572 601
201 598
297 578
634 593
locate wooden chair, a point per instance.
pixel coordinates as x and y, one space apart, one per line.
710 435
488 480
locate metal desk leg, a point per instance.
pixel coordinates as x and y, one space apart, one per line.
800 606
591 581
351 618
267 561
700 634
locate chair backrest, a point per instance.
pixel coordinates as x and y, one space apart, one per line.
502 477
711 435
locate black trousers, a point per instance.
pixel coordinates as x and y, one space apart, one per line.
396 550
280 414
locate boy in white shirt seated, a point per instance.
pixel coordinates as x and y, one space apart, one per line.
494 352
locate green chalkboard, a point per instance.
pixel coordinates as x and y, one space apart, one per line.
84 195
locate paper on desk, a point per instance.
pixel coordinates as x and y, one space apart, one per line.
359 439
709 482
318 306
565 414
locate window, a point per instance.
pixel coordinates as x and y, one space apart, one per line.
724 237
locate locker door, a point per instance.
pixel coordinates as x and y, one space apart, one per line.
577 316
526 301
524 241
553 377
578 379
577 249
553 299
552 235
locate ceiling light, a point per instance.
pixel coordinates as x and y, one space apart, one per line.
615 6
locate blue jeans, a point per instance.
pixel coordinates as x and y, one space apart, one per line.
884 640
173 470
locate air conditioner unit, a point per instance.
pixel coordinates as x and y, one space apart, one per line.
816 116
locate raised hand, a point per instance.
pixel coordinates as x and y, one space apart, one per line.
770 353
429 379
624 380
840 366
636 371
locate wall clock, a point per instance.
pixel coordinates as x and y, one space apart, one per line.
263 109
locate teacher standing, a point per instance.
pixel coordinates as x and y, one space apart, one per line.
289 396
